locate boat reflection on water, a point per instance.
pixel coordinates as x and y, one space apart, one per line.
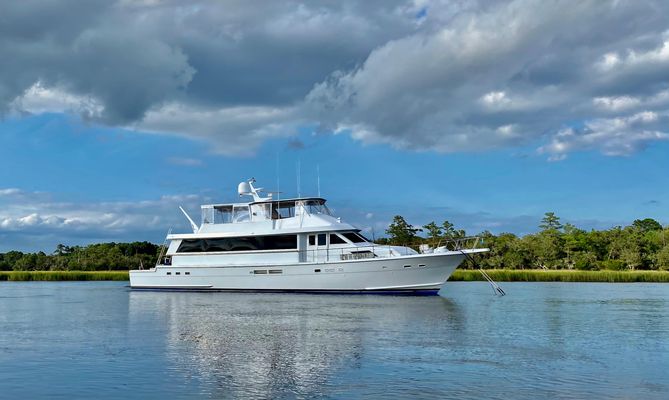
277 345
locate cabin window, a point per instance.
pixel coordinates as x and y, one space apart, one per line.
169 273
336 239
316 207
354 237
240 214
283 209
187 273
260 271
273 242
276 271
207 215
312 240
177 273
222 214
322 239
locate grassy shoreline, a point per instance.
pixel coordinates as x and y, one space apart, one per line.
538 275
500 275
63 275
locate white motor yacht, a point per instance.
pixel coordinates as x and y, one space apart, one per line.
291 245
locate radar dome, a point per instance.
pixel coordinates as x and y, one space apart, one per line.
244 188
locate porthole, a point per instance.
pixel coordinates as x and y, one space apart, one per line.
407 266
177 273
186 273
169 273
317 270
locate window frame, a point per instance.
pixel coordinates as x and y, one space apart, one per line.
238 244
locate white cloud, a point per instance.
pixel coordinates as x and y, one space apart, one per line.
10 192
495 99
50 222
439 89
620 136
633 58
39 99
222 126
439 75
618 103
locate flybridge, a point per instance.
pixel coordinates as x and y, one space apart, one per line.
263 208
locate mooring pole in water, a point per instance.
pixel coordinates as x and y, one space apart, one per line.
495 287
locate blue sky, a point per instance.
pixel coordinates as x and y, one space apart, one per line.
429 109
64 160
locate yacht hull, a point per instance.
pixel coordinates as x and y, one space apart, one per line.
413 274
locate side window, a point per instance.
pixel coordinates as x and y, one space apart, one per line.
240 214
312 240
353 237
336 239
321 239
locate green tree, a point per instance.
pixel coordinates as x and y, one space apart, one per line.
401 232
61 250
546 249
433 233
450 232
9 260
506 251
550 221
662 258
647 225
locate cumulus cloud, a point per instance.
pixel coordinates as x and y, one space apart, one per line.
445 76
48 222
620 136
9 192
524 64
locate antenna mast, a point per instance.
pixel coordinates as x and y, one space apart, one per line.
278 186
299 194
318 173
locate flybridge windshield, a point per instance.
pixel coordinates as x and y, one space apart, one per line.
281 209
317 207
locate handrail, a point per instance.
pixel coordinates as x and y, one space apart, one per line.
163 248
456 244
343 253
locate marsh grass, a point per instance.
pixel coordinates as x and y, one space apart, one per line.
534 275
63 275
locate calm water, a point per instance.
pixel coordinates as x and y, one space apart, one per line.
543 340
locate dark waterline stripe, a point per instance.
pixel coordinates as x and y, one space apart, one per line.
414 292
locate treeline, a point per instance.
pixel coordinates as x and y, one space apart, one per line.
644 245
94 257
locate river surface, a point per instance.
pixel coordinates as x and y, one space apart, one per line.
543 340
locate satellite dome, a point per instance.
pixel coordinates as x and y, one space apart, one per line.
244 189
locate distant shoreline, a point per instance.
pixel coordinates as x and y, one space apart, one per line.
500 275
